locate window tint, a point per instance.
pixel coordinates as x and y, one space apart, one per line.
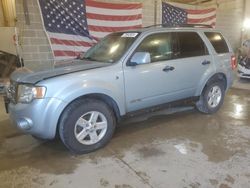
190 45
158 45
218 42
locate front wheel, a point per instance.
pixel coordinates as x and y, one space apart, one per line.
211 98
86 125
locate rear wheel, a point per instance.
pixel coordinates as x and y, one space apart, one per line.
86 125
211 98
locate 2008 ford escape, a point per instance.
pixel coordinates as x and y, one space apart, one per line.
125 72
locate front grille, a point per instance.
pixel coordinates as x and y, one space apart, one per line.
11 92
248 75
245 63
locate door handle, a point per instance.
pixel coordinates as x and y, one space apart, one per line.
205 62
168 68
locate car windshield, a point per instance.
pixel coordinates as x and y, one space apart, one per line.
111 48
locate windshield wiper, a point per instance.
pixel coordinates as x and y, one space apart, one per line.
89 58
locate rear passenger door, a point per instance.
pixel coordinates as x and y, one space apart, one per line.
194 61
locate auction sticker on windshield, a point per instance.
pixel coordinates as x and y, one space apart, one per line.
129 35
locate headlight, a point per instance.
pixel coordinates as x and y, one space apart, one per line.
26 93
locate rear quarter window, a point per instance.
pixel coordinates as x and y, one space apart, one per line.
190 44
218 42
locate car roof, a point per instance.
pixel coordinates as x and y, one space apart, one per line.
160 28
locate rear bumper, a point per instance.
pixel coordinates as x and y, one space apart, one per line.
38 118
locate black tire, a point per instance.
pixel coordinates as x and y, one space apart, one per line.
70 116
203 106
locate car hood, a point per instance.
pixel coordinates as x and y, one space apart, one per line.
24 75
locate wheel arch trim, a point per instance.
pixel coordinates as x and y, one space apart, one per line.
111 102
215 77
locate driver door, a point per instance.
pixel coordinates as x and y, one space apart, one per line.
153 83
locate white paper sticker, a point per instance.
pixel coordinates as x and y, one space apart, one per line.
132 35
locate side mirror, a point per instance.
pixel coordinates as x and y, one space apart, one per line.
140 58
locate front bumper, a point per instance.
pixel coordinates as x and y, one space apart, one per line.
39 118
243 72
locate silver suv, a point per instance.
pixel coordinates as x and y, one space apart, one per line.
124 73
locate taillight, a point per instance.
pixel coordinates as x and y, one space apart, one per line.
233 62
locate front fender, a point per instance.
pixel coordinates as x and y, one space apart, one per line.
70 87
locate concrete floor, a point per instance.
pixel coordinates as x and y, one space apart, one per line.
241 83
169 149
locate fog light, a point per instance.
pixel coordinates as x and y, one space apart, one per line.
24 123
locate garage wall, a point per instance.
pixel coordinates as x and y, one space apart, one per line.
37 54
246 33
35 48
229 20
7 43
34 45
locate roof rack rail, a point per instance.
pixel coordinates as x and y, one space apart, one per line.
180 25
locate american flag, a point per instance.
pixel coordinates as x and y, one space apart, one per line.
178 14
73 26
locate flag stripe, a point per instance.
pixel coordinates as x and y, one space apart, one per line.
201 11
182 13
198 16
70 48
121 12
69 37
105 23
103 19
111 29
95 20
192 7
59 59
119 6
66 53
211 22
70 42
113 18
99 34
201 19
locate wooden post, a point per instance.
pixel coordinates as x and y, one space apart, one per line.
5 21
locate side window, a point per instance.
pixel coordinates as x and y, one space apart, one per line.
218 42
190 44
158 45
